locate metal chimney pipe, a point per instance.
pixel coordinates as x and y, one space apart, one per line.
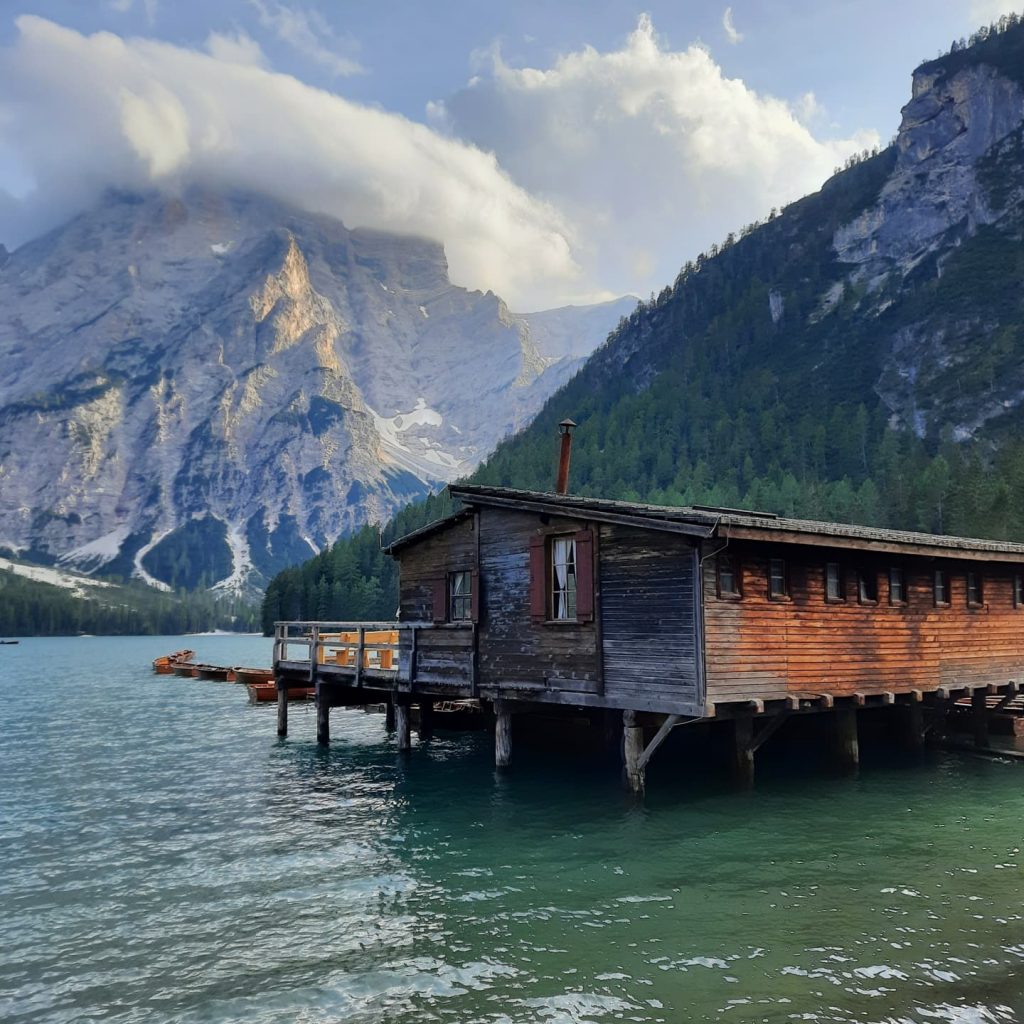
565 428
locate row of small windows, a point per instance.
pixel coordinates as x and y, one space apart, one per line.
730 584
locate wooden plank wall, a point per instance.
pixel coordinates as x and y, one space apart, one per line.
514 649
649 615
761 649
449 550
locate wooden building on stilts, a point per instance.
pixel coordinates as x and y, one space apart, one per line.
651 617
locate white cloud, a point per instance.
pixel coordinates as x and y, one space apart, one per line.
730 29
123 6
308 34
985 12
82 113
654 154
239 48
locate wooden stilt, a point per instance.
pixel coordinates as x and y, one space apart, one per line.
847 748
426 729
743 749
632 752
502 735
282 709
979 717
402 725
915 726
323 717
389 713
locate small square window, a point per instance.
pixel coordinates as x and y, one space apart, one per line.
941 587
778 587
460 596
975 590
834 588
728 576
897 585
563 578
867 586
1018 590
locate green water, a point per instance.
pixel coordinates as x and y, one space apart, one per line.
165 858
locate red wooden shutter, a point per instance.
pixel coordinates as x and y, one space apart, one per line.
474 596
538 579
439 588
584 576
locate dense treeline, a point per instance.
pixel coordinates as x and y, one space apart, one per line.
28 608
763 378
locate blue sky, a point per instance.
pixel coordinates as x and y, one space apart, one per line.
625 137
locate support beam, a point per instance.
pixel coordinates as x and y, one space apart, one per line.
671 721
632 751
846 748
402 725
502 735
426 729
282 709
915 727
323 717
979 717
743 749
389 713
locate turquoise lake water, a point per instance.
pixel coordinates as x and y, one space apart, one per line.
166 858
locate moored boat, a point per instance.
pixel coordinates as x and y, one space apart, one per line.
220 672
246 675
164 665
184 668
261 693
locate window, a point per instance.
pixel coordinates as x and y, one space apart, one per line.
563 578
460 596
1018 591
867 586
834 589
941 587
975 590
778 588
897 586
728 576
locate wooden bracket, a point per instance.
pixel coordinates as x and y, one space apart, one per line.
671 721
768 730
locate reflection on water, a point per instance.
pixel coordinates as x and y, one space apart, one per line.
166 858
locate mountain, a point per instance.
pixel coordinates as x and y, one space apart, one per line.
859 357
198 389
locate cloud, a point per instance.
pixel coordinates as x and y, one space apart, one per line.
647 150
79 114
304 32
123 6
239 48
730 29
985 12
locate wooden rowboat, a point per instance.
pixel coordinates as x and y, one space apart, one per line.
164 666
261 693
253 675
184 668
221 672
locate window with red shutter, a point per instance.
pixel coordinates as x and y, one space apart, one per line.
584 576
538 579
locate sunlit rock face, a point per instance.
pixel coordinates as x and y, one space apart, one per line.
226 358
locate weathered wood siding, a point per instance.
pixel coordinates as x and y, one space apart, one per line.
650 616
514 650
756 648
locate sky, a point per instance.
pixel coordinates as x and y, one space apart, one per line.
563 152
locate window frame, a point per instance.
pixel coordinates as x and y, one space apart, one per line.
902 601
465 598
551 596
737 578
840 598
979 585
1018 590
782 595
942 573
867 585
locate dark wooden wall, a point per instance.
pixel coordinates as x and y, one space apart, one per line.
650 616
756 648
513 648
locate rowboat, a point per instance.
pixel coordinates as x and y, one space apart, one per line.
164 665
184 668
253 675
221 672
260 693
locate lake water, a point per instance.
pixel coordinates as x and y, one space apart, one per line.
166 858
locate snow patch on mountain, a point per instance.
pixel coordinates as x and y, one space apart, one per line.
78 585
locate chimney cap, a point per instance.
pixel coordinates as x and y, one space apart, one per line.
566 426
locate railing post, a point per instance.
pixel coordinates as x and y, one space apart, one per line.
360 654
314 654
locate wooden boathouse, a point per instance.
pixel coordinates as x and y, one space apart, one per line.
651 617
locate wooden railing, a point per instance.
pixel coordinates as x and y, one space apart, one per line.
405 652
